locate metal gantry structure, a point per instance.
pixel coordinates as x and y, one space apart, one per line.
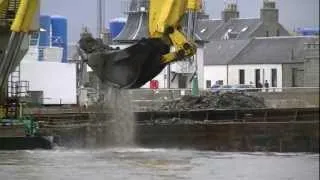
191 28
102 32
16 22
101 17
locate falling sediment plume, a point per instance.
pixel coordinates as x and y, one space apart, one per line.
121 129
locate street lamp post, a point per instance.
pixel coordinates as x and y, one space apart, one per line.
193 8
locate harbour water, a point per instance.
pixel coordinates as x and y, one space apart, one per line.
155 164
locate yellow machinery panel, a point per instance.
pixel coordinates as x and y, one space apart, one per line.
25 15
163 14
165 22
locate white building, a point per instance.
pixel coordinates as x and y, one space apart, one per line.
56 80
279 60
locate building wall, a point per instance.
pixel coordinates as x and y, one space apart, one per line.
291 70
215 73
270 30
311 74
311 68
52 54
162 77
57 80
200 63
174 80
32 54
230 74
48 54
265 73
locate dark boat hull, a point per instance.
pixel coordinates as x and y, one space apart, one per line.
25 143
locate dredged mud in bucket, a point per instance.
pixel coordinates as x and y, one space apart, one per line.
128 68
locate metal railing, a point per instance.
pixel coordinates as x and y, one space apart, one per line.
18 88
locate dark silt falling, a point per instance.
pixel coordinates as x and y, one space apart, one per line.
121 130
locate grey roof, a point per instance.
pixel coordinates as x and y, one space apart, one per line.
274 50
135 28
137 24
222 52
206 28
240 28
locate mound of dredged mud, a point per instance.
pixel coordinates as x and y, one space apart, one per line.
213 101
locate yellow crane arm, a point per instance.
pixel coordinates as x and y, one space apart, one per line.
24 18
23 22
165 22
25 14
132 67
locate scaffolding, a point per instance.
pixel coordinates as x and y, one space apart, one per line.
17 89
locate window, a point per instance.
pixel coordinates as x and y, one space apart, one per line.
182 81
257 77
274 78
241 76
267 33
208 83
309 46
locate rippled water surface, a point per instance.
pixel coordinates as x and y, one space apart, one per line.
154 164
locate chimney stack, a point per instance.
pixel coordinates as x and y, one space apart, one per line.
230 11
269 13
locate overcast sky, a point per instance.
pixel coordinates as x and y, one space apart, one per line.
293 13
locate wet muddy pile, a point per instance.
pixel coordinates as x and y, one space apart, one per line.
212 101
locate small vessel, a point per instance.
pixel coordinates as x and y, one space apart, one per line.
22 134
